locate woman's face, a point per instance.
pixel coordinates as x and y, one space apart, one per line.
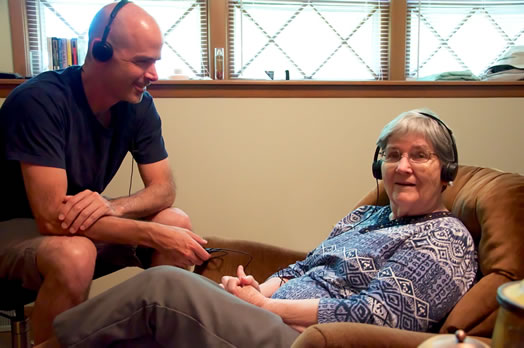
412 188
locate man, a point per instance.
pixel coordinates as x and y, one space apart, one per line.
63 137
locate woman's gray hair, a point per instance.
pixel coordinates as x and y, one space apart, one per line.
415 122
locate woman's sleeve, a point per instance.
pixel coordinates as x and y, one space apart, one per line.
418 285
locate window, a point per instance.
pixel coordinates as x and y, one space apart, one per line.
183 23
322 40
460 35
303 39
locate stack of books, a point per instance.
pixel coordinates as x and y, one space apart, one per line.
62 52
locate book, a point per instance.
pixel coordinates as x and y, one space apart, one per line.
56 64
74 51
50 54
69 56
62 52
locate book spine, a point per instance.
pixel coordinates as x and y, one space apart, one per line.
56 65
68 52
74 51
49 53
63 53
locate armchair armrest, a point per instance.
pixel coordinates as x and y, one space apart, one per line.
265 259
360 335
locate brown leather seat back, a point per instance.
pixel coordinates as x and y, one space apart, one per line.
491 205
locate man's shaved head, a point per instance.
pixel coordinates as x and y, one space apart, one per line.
130 23
136 41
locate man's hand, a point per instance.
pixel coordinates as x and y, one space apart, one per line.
179 247
244 287
80 211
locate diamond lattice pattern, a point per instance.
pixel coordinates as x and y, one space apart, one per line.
459 37
311 39
183 23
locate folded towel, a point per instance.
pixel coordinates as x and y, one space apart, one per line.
464 75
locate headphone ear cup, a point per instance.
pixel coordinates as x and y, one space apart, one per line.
449 172
102 51
376 167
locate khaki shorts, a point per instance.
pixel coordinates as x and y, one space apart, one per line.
20 239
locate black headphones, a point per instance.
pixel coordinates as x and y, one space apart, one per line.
102 50
449 170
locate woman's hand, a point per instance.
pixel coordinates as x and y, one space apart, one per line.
244 287
246 280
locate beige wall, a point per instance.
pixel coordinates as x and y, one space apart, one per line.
282 171
6 59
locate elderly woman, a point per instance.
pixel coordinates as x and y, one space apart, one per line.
404 265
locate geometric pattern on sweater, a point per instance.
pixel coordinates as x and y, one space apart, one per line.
406 273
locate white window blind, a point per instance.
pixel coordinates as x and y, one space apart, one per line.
445 36
184 24
320 40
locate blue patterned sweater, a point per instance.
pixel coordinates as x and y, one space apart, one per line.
406 273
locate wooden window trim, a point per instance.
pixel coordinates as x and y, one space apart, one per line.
322 89
395 87
397 34
19 37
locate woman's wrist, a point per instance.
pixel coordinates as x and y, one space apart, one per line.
270 305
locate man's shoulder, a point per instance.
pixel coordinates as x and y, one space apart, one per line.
50 83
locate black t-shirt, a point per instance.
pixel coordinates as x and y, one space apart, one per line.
47 121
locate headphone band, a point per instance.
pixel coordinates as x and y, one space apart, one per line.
453 145
112 16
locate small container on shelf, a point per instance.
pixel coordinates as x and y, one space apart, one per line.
219 63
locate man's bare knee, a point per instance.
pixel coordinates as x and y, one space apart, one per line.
172 217
70 261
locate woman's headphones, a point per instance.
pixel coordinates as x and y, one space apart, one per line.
102 50
449 170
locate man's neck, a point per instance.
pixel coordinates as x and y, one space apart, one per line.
96 93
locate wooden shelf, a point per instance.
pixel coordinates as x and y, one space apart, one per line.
322 89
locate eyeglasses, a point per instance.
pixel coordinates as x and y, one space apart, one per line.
415 156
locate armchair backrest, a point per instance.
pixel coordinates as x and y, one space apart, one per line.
490 203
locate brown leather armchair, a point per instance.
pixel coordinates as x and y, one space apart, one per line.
491 205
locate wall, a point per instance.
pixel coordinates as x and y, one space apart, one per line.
6 58
283 171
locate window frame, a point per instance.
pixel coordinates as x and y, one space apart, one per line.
218 26
395 87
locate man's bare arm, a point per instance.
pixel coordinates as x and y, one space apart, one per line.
46 188
81 210
158 193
